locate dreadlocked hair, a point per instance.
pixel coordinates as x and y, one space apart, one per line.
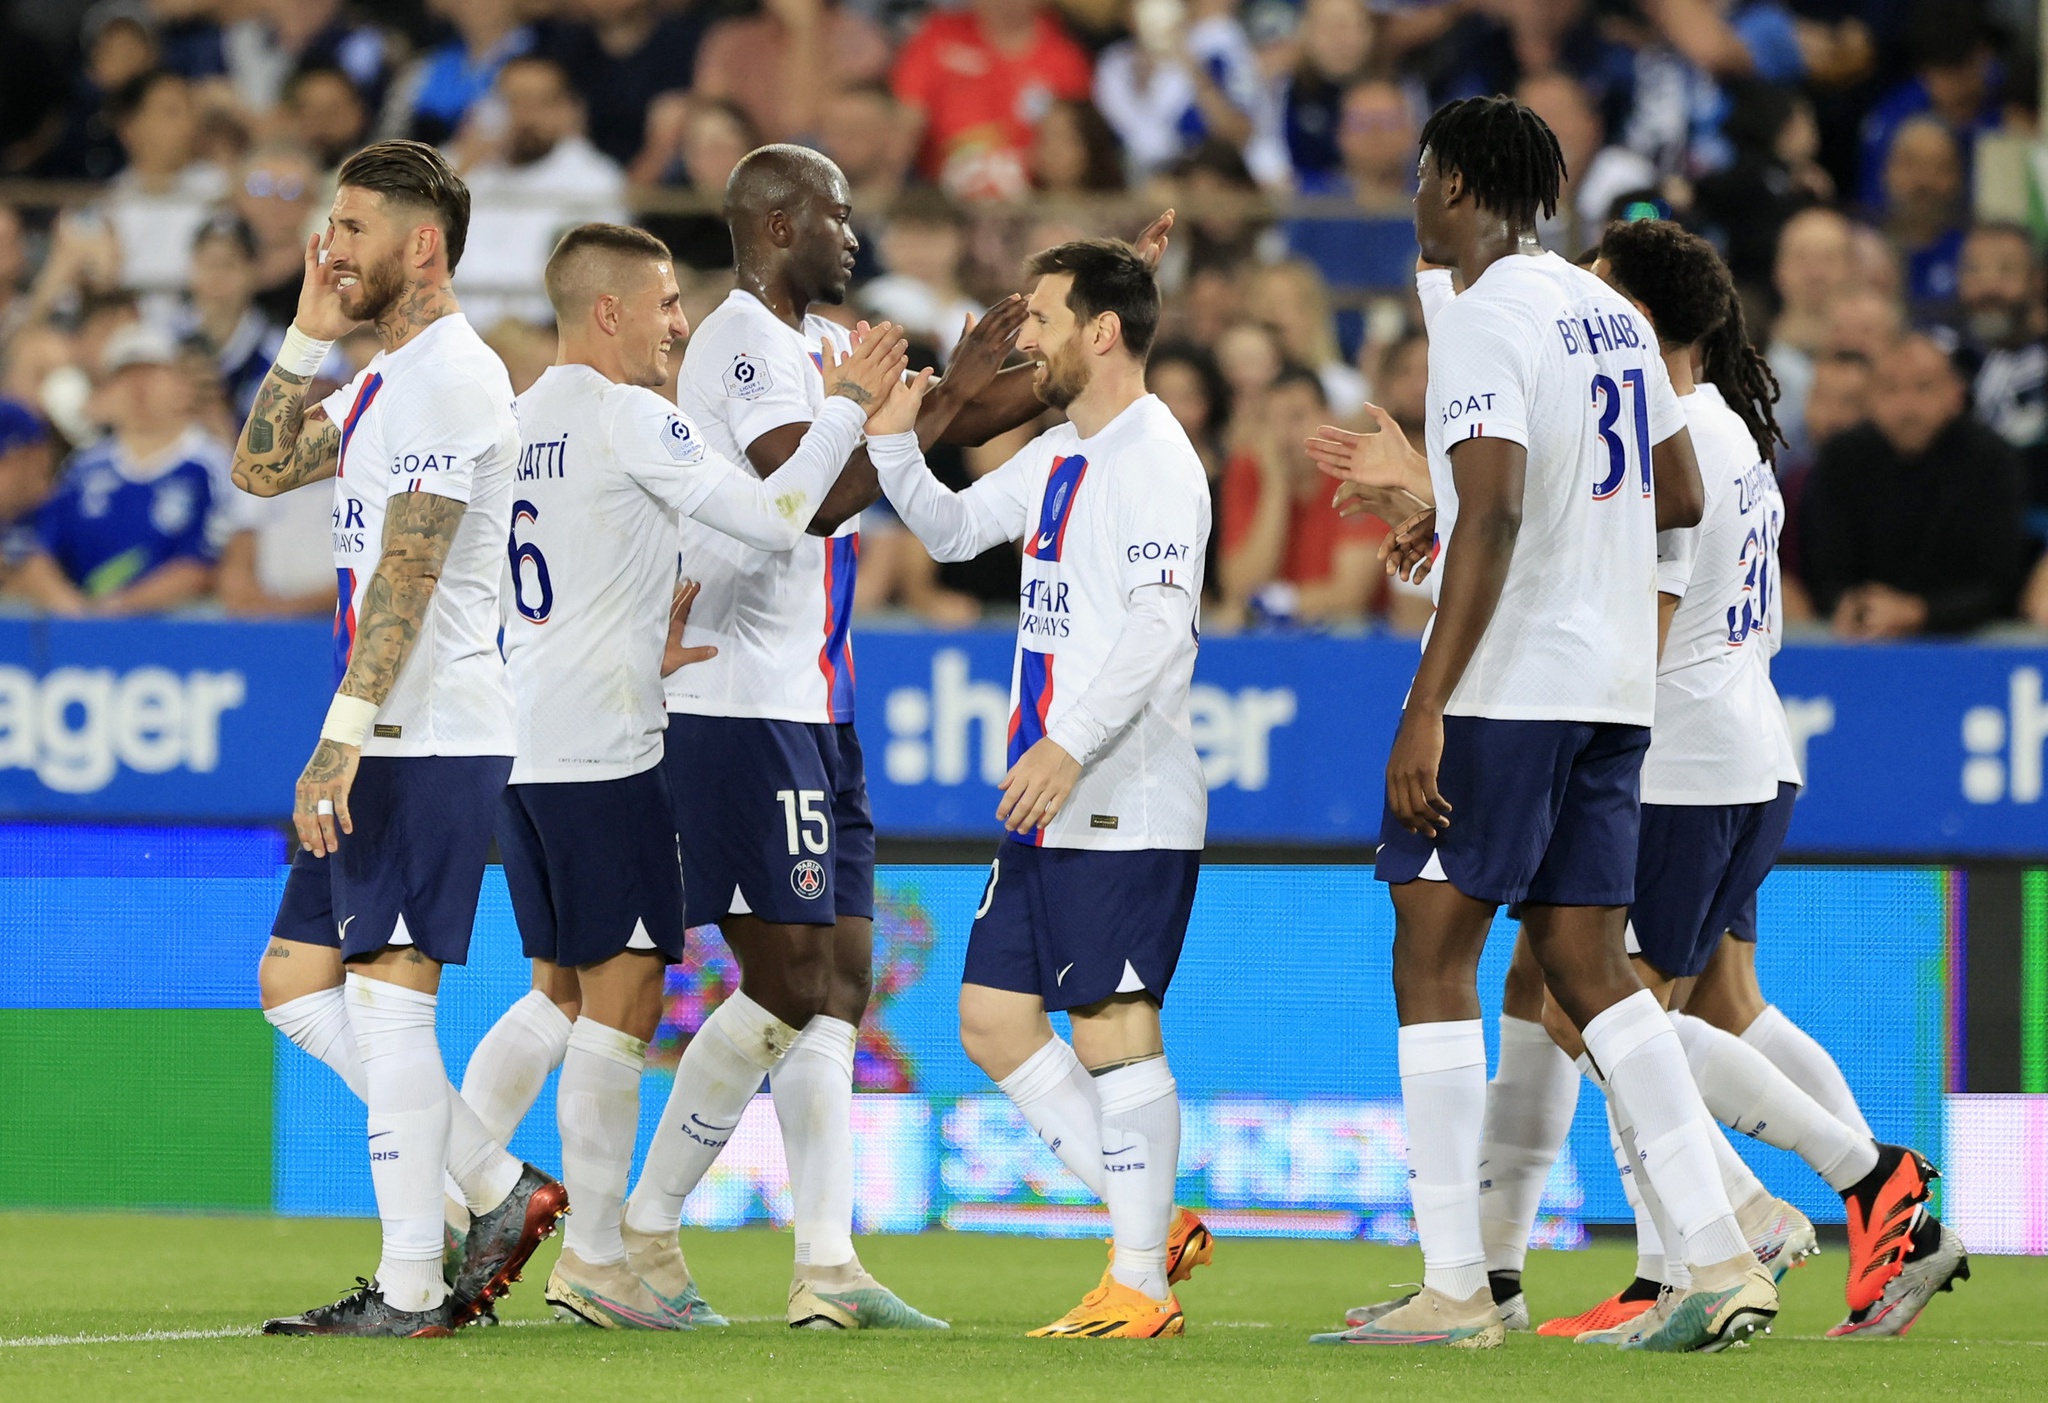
1692 301
1507 157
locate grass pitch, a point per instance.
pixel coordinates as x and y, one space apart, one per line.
72 1286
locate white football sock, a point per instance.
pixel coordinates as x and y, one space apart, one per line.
1529 1107
1443 1097
1793 1052
1745 1092
1636 1049
511 1065
318 1023
1140 1161
721 1069
1649 1242
481 1168
1060 1101
408 1130
598 1108
813 1088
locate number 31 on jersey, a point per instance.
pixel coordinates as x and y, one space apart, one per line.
1607 397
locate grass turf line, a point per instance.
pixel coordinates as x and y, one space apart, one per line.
1249 1315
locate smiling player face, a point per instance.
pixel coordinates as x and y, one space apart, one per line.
651 324
1052 336
367 244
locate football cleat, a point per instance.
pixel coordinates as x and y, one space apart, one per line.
1780 1235
1430 1317
1616 1310
501 1241
1366 1315
1636 1326
364 1312
1114 1311
1924 1276
865 1305
657 1259
1189 1244
608 1296
1882 1210
1704 1321
1514 1311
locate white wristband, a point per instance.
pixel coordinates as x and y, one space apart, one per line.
300 354
348 720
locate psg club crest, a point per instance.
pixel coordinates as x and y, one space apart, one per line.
807 879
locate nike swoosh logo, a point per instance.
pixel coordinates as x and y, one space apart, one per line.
376 1133
707 1125
1045 540
1112 1154
1061 977
343 931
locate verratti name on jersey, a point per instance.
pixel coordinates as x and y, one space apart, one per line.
546 461
1597 333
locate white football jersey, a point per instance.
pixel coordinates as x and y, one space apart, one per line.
1547 355
780 620
1102 518
1721 735
433 416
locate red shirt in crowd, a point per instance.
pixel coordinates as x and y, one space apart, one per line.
982 106
1314 530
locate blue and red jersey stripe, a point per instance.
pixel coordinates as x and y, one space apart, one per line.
365 397
344 621
1057 508
1027 720
835 658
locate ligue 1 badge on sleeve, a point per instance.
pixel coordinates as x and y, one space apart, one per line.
807 879
747 377
681 440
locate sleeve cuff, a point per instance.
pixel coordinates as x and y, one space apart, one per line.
1077 733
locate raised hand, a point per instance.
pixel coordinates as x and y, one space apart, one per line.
673 653
1151 244
1385 459
874 368
898 413
1408 552
985 343
320 315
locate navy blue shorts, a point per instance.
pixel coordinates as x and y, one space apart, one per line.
773 819
410 872
1074 926
1697 875
1542 811
592 868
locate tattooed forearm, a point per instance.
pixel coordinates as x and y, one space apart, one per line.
418 529
284 445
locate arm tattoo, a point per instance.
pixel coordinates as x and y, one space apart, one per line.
419 527
284 445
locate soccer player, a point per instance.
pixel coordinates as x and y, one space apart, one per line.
1088 898
587 829
764 766
1557 452
394 809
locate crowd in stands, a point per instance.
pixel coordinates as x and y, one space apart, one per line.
162 162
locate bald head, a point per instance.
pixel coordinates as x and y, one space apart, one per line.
790 210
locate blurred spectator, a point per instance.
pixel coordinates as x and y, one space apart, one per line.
1999 331
922 245
1811 270
625 56
1864 323
158 203
1776 172
1377 136
1912 522
327 114
1954 82
526 349
41 370
1287 555
1923 184
1290 298
278 561
1596 174
1188 75
708 142
782 65
977 82
118 38
134 526
1333 44
1076 151
1838 401
864 131
1186 379
1874 263
222 317
25 460
530 177
274 40
279 193
1230 228
434 96
1248 355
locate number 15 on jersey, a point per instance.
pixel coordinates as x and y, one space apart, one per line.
1608 398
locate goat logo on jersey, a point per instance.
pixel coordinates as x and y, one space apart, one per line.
747 377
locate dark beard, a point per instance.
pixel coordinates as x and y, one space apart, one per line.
1058 387
377 291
